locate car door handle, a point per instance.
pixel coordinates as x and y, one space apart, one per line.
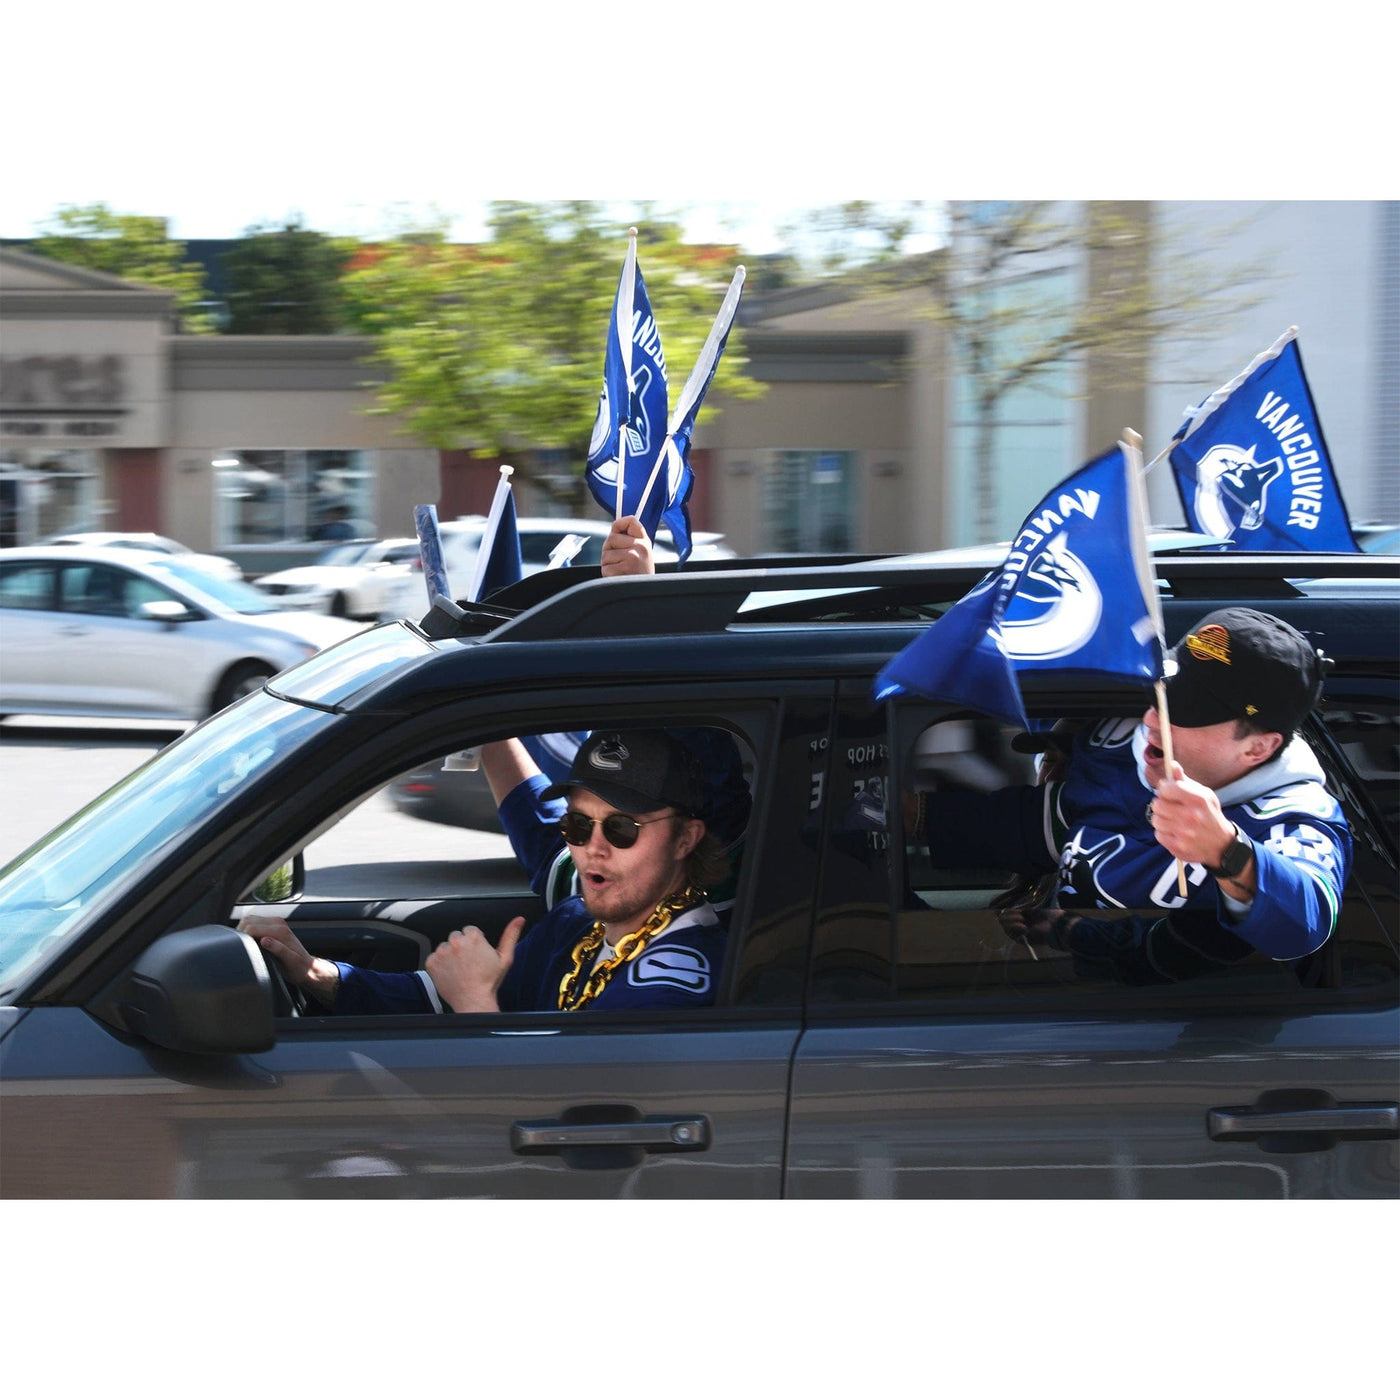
1335 1121
654 1134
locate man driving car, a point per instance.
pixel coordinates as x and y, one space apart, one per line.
639 934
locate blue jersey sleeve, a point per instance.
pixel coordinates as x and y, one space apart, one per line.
365 993
532 825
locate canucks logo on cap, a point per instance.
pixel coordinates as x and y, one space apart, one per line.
1056 608
609 753
1231 488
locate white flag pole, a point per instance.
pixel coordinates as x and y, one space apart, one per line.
1198 414
700 374
1147 581
488 535
624 342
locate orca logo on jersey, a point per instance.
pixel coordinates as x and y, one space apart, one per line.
609 754
671 966
1056 607
1230 489
1080 864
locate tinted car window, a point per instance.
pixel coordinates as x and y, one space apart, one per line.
896 926
97 589
27 584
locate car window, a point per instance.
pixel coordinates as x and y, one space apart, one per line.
900 927
425 852
96 589
26 584
89 859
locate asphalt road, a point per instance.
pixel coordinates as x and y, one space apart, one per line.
49 769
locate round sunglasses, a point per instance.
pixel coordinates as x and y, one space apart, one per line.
619 829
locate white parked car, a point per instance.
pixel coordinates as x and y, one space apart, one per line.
354 579
538 536
148 543
114 633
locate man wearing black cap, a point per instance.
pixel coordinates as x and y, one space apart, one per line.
640 933
1264 846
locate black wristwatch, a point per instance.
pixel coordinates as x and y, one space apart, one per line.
1236 857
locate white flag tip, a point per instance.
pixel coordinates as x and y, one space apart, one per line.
507 472
1132 438
741 271
631 233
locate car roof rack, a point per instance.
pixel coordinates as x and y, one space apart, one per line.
708 598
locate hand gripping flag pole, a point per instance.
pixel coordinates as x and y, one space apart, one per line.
1147 582
675 451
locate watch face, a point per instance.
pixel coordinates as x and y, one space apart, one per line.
1235 859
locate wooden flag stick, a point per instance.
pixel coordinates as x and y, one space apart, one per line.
1164 722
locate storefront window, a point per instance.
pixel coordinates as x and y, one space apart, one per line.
272 496
47 493
808 503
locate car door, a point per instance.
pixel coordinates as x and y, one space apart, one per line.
28 618
575 1105
943 1058
118 661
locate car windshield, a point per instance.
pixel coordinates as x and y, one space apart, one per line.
343 554
228 593
49 889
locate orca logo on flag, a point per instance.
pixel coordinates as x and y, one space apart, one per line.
1056 607
638 426
1230 489
602 425
671 966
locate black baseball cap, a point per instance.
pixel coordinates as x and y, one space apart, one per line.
635 770
1237 663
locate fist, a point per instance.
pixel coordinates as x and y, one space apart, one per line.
626 550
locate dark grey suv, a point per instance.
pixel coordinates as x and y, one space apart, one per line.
875 1031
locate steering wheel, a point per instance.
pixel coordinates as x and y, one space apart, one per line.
287 1000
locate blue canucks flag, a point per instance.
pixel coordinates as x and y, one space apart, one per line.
1252 466
1059 602
498 555
675 458
630 428
425 522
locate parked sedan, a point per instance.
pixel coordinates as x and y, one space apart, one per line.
148 543
354 579
117 633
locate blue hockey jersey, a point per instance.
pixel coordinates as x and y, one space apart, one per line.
1094 829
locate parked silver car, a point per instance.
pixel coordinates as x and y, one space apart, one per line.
118 633
149 543
354 579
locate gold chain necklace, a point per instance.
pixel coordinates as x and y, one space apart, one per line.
571 995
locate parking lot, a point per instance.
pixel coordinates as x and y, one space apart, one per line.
51 768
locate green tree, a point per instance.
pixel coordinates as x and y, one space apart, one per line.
1027 287
498 347
286 280
135 247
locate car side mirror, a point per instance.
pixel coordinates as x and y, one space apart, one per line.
202 990
278 886
167 610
